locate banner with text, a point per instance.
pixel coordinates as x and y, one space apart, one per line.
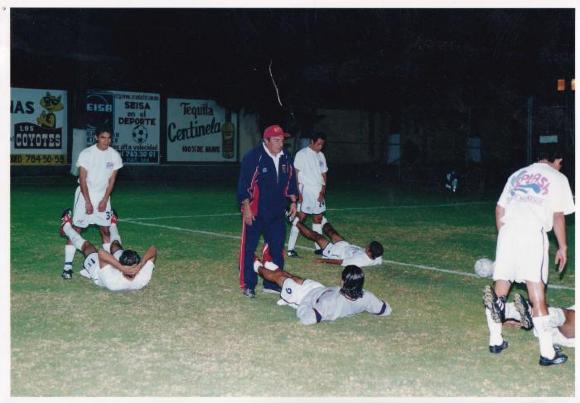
200 130
38 121
134 118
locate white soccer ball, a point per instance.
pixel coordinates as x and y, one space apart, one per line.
484 267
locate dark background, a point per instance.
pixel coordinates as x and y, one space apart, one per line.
451 71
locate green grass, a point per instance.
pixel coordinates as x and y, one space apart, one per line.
192 333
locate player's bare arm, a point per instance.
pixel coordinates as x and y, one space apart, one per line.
85 190
499 212
105 258
560 233
103 203
150 254
329 261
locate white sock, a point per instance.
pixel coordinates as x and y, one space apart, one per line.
76 238
69 254
317 228
293 237
324 221
544 331
114 234
557 317
495 337
511 312
107 247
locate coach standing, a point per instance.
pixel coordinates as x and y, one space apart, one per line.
266 183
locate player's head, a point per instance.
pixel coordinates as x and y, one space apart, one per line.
353 279
317 141
103 137
375 249
553 153
129 258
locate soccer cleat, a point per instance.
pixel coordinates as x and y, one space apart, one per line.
248 292
67 274
66 217
498 349
559 358
523 309
494 304
292 253
318 252
114 217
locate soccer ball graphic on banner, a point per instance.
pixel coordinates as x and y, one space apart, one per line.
484 267
140 134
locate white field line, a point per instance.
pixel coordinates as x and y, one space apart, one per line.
414 206
416 266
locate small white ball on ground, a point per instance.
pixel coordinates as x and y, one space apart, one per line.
484 267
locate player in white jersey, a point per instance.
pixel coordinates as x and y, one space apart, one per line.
311 168
98 166
314 302
535 199
338 251
119 270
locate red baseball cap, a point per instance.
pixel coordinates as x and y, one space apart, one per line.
274 131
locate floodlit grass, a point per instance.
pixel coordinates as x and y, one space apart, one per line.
192 333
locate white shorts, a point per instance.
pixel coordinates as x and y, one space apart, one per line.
80 217
335 250
293 293
521 254
310 203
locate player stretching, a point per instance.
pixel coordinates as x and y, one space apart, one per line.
535 199
98 166
314 302
120 270
311 168
340 252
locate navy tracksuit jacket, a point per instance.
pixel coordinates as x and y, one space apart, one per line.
268 194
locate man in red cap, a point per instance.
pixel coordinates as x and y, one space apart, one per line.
267 183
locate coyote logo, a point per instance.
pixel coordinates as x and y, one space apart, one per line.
52 104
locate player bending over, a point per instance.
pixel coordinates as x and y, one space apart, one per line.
314 302
338 251
519 313
120 270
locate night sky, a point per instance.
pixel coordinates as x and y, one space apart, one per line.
374 58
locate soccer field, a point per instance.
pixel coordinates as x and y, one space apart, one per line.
192 333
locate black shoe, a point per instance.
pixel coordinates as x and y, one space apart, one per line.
523 309
559 358
292 253
557 348
67 274
498 349
248 292
494 304
318 252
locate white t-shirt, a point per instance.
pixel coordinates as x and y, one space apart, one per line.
310 165
533 194
99 165
350 254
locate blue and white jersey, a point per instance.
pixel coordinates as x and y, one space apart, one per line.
533 194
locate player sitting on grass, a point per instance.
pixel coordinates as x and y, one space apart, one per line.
337 250
519 313
314 302
119 270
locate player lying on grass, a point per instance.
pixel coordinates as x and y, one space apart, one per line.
337 250
519 313
120 270
314 302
